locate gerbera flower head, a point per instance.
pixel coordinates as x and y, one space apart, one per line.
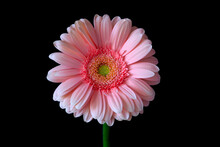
105 70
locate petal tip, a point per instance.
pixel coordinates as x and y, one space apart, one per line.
51 56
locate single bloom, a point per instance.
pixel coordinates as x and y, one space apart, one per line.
105 70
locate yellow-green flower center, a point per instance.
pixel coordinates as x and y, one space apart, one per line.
103 70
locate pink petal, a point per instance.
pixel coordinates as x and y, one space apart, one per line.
133 28
79 93
66 38
144 65
83 31
101 117
91 31
127 91
106 29
78 113
156 77
67 72
135 113
146 103
85 99
133 40
61 73
111 121
115 20
124 115
96 104
151 59
108 112
65 104
138 53
138 104
87 117
120 33
69 49
97 26
51 74
101 121
141 73
117 117
65 60
67 109
151 53
142 111
154 80
70 28
72 109
115 102
66 87
127 102
149 97
141 87
79 42
130 117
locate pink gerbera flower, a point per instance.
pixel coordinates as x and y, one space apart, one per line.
105 71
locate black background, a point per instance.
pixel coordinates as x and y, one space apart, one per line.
168 120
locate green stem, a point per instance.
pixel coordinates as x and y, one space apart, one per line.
105 135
